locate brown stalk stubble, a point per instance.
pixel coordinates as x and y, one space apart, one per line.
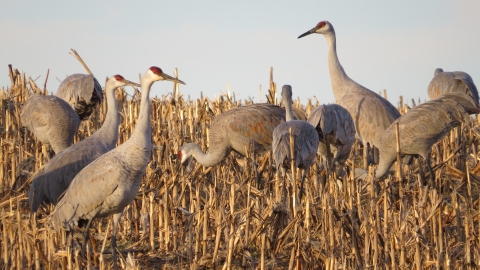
226 216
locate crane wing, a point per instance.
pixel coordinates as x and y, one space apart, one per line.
305 144
76 87
370 115
32 114
468 81
82 92
451 82
321 118
249 124
87 192
53 179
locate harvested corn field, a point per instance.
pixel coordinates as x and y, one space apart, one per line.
232 215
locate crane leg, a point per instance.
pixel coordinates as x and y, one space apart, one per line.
432 173
70 246
375 155
86 236
420 170
116 219
329 158
365 160
284 188
255 167
301 184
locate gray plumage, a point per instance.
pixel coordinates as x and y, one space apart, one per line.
82 92
420 129
238 129
51 120
53 179
371 113
112 181
452 82
305 139
336 131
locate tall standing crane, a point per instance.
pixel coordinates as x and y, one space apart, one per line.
111 182
53 179
371 113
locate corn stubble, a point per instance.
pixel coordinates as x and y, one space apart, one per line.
231 216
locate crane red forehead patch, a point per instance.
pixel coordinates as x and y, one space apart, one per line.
321 24
179 155
156 70
119 78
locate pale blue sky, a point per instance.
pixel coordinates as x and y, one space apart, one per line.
393 45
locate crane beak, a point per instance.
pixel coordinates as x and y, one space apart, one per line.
189 165
170 78
127 82
311 31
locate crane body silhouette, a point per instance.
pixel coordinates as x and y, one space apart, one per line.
419 129
336 131
82 92
371 113
52 120
452 82
112 181
238 129
53 179
305 140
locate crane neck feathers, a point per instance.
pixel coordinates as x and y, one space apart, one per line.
215 155
338 77
141 136
109 129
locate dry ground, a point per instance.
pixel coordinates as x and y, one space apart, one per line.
231 216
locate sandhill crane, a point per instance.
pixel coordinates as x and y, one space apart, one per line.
305 139
111 182
52 120
451 82
420 129
336 129
371 113
53 179
82 92
237 129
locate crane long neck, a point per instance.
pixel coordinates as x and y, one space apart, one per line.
288 109
337 73
109 129
215 155
141 139
384 165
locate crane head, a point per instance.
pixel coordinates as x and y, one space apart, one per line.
184 152
185 156
187 151
287 92
322 27
179 155
118 80
158 75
